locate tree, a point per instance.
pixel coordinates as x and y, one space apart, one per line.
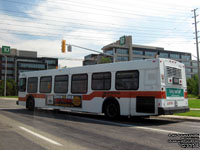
192 85
11 88
105 60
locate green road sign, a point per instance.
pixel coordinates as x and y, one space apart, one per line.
5 49
174 92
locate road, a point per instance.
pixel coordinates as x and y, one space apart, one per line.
21 129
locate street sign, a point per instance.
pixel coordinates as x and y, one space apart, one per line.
5 49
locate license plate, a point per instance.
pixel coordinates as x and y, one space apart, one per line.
174 92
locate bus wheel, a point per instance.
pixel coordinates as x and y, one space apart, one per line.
30 104
111 110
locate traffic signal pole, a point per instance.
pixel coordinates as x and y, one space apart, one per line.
69 49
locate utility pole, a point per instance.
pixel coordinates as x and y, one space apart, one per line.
197 46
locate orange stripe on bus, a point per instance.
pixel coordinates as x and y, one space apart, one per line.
185 95
21 98
118 94
34 95
125 94
38 95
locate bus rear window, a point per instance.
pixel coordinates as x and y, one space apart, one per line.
127 80
22 84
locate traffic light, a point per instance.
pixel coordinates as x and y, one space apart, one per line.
69 48
63 46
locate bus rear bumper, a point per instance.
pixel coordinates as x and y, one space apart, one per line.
172 110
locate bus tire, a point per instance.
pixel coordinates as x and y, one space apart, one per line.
111 110
30 104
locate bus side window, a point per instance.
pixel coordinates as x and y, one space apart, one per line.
101 81
32 85
61 84
45 84
79 83
127 80
22 84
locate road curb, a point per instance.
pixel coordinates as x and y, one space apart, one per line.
184 118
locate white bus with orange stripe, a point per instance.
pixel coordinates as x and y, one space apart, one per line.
133 88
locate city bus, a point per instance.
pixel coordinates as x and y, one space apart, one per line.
149 87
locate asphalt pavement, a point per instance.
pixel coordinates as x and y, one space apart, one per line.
21 129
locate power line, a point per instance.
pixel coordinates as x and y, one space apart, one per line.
58 36
63 30
80 20
121 4
61 34
93 13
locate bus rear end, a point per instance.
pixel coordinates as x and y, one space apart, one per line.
173 82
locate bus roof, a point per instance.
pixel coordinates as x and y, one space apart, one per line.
137 64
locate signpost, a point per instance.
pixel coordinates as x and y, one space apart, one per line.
5 50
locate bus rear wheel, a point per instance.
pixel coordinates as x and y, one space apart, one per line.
30 104
111 110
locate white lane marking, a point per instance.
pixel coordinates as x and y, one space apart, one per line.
158 130
133 126
40 136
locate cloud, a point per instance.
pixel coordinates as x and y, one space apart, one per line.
93 24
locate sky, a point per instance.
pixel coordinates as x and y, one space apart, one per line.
40 25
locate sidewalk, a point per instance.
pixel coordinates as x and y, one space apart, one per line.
6 98
194 108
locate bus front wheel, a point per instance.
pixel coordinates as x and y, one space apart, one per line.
111 110
30 104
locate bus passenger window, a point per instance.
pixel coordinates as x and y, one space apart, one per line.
61 84
101 81
45 84
79 83
32 85
127 80
22 85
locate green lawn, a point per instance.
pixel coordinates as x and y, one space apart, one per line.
192 96
194 103
192 113
9 97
